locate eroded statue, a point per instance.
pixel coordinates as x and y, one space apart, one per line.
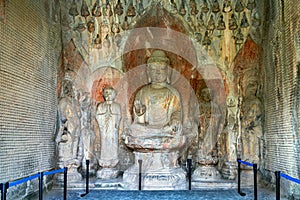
87 136
156 134
251 124
208 134
68 136
108 116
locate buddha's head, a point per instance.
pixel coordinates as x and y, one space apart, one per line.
109 93
158 67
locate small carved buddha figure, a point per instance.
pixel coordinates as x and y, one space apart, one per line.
193 6
211 23
221 24
182 10
119 8
204 7
108 11
239 6
251 5
131 10
215 6
232 23
108 116
96 11
244 22
91 26
227 6
84 10
206 40
239 37
73 9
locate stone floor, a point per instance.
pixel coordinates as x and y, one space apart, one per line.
160 195
106 190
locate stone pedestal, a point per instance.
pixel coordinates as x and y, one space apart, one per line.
229 170
107 173
206 170
160 171
72 176
206 173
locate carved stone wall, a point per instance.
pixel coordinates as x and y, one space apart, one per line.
281 145
210 43
29 51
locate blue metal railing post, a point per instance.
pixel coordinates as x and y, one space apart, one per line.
41 174
277 175
255 180
87 175
140 174
239 178
4 187
189 163
65 182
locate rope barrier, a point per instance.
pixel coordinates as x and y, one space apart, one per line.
5 186
14 183
278 174
246 163
290 178
54 172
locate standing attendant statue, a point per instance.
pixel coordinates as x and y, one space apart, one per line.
108 115
251 124
68 136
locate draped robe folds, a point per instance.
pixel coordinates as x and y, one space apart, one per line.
108 116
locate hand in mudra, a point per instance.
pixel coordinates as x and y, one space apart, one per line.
139 108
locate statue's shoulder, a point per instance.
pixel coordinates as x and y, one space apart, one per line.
101 108
144 90
116 108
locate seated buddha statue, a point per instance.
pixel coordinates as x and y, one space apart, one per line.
157 110
156 133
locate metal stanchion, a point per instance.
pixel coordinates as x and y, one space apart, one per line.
65 182
4 187
277 174
140 174
87 178
255 180
189 163
41 174
239 178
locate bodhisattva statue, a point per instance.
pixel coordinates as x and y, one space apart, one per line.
251 124
68 136
87 137
108 115
156 132
208 134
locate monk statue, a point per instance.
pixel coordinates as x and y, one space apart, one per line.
156 134
108 116
68 136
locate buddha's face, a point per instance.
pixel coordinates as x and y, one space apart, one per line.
109 94
158 72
